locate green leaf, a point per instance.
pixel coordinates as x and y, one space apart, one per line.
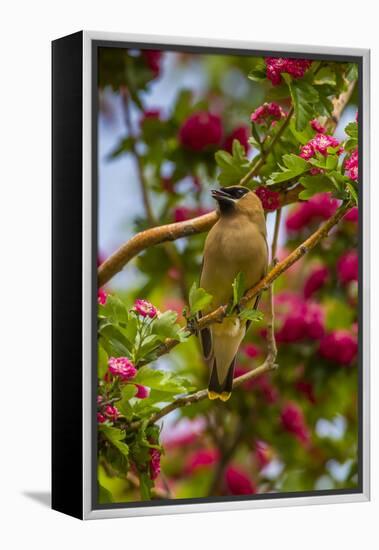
183 106
114 310
105 496
250 314
124 146
314 185
198 299
304 96
352 71
117 343
161 380
338 315
102 361
294 166
352 187
258 70
145 486
116 437
232 167
239 287
352 130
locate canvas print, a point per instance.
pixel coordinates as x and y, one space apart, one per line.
228 256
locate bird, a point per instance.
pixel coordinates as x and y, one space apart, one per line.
237 243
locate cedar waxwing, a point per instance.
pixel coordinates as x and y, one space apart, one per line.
236 243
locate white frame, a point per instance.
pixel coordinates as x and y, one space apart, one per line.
88 512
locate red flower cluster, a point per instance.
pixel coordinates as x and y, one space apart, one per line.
238 482
300 320
275 66
270 199
145 308
315 280
317 127
101 297
200 131
293 421
352 215
203 458
348 267
339 346
267 113
319 143
155 463
351 165
153 60
121 367
262 383
142 392
320 206
241 134
250 351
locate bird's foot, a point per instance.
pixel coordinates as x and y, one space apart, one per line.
225 395
213 395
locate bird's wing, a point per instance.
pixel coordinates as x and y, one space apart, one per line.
205 334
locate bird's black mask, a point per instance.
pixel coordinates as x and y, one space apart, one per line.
228 196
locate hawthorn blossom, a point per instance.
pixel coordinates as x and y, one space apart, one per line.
320 206
183 213
320 143
203 458
352 215
142 391
351 165
238 481
153 60
121 367
270 199
241 134
292 420
111 412
263 453
317 127
250 351
275 66
200 131
267 112
348 267
145 308
101 297
101 418
315 280
339 346
298 319
155 463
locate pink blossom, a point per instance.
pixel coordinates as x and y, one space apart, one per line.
267 113
352 215
203 458
101 418
348 267
121 367
351 165
315 280
293 421
145 308
99 399
320 206
299 320
275 66
317 127
241 134
111 412
238 482
155 463
101 297
250 351
264 385
263 453
270 199
142 392
319 143
339 346
307 389
201 131
153 60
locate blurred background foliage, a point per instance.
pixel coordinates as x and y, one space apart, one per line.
162 118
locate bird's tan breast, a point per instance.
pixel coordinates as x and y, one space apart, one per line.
232 246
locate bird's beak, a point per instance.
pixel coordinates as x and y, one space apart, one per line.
222 196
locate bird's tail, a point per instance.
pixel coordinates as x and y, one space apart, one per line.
221 390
